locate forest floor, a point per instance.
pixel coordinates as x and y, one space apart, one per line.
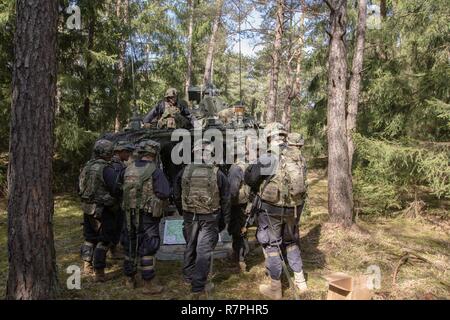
379 241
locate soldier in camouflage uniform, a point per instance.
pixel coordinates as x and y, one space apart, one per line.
281 188
202 195
171 113
295 140
122 153
145 191
99 199
240 193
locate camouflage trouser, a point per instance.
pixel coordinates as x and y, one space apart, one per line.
274 231
148 244
201 234
237 222
98 236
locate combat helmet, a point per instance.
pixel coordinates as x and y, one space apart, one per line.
295 139
202 144
123 145
171 92
103 148
148 147
275 129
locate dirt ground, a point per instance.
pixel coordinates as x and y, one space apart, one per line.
374 241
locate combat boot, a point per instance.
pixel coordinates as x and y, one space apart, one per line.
201 295
100 275
242 267
152 287
271 290
130 282
88 270
300 282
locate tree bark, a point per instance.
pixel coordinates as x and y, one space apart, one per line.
383 9
88 75
31 253
189 48
122 14
294 80
340 201
355 80
273 84
207 77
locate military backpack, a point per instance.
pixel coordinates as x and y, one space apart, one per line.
92 188
138 190
287 187
244 190
200 192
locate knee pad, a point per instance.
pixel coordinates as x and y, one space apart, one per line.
149 245
273 262
87 251
100 255
148 267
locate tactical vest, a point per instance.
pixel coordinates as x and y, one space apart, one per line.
244 190
118 164
200 192
138 188
170 119
287 187
92 186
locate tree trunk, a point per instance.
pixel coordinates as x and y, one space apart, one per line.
340 202
293 84
355 80
212 43
31 252
189 47
383 9
122 14
88 75
273 84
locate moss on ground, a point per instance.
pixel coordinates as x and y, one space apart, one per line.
325 249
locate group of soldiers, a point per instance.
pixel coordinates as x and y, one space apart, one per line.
124 194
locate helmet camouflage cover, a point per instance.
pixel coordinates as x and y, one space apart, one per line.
123 145
295 139
103 148
203 144
148 147
171 92
275 129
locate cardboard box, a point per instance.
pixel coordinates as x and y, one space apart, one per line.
342 286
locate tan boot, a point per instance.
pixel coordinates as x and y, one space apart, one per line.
130 282
202 295
300 282
152 287
272 290
99 275
242 267
88 270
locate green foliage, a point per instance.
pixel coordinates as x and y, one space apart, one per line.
73 149
386 173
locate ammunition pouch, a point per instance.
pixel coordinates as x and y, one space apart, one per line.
158 207
107 200
280 211
98 211
88 208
